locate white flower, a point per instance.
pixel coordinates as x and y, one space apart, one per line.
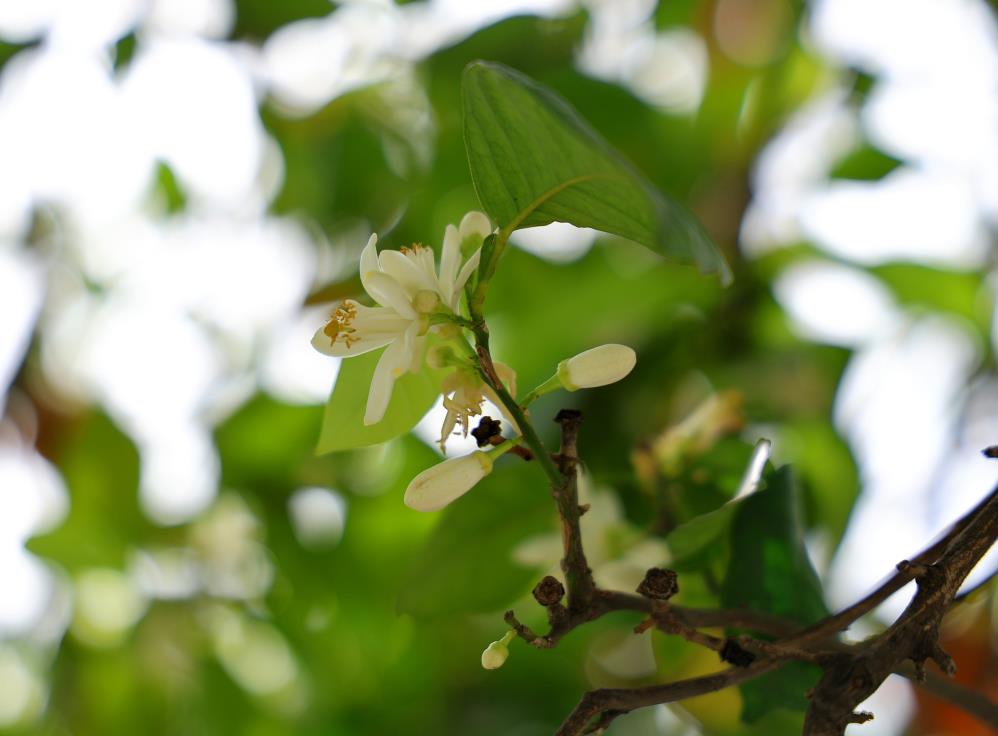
440 484
596 367
464 391
407 287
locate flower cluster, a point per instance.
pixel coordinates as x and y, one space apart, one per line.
408 288
413 297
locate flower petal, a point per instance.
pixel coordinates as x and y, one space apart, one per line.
475 224
450 262
388 292
392 364
368 329
369 260
466 271
406 271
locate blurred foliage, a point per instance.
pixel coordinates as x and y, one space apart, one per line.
382 629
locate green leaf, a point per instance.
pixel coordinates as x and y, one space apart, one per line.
770 571
343 425
535 161
687 541
466 565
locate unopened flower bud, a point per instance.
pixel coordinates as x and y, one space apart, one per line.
496 653
440 484
596 367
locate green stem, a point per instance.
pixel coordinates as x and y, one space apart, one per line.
529 433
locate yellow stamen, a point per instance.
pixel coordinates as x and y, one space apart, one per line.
340 324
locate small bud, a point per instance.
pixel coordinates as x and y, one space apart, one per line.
496 653
549 591
440 484
596 367
659 584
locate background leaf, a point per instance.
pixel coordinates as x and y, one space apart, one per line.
343 425
466 565
770 571
535 161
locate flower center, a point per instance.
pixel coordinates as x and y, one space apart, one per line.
339 325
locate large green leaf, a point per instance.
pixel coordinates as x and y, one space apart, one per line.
466 565
343 425
535 161
770 571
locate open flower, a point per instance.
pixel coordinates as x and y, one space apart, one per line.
407 287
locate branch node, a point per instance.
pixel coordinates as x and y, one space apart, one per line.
915 569
659 584
861 717
733 653
549 591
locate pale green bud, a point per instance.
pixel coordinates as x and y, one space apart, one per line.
497 652
440 484
596 367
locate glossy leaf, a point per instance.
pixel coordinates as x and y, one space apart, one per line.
535 161
343 425
770 571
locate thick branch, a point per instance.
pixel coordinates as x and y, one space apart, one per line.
578 576
618 701
850 679
841 621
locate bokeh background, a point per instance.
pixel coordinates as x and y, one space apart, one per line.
185 185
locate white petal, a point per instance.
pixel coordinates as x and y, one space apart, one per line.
391 365
389 293
450 261
475 224
440 484
406 271
466 271
417 349
369 260
373 327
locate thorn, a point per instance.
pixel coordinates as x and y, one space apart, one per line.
861 717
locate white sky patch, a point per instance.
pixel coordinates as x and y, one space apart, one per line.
914 215
671 71
668 69
318 516
22 285
209 18
66 135
292 370
92 25
179 473
892 705
836 304
896 407
196 107
949 123
936 37
559 242
793 165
